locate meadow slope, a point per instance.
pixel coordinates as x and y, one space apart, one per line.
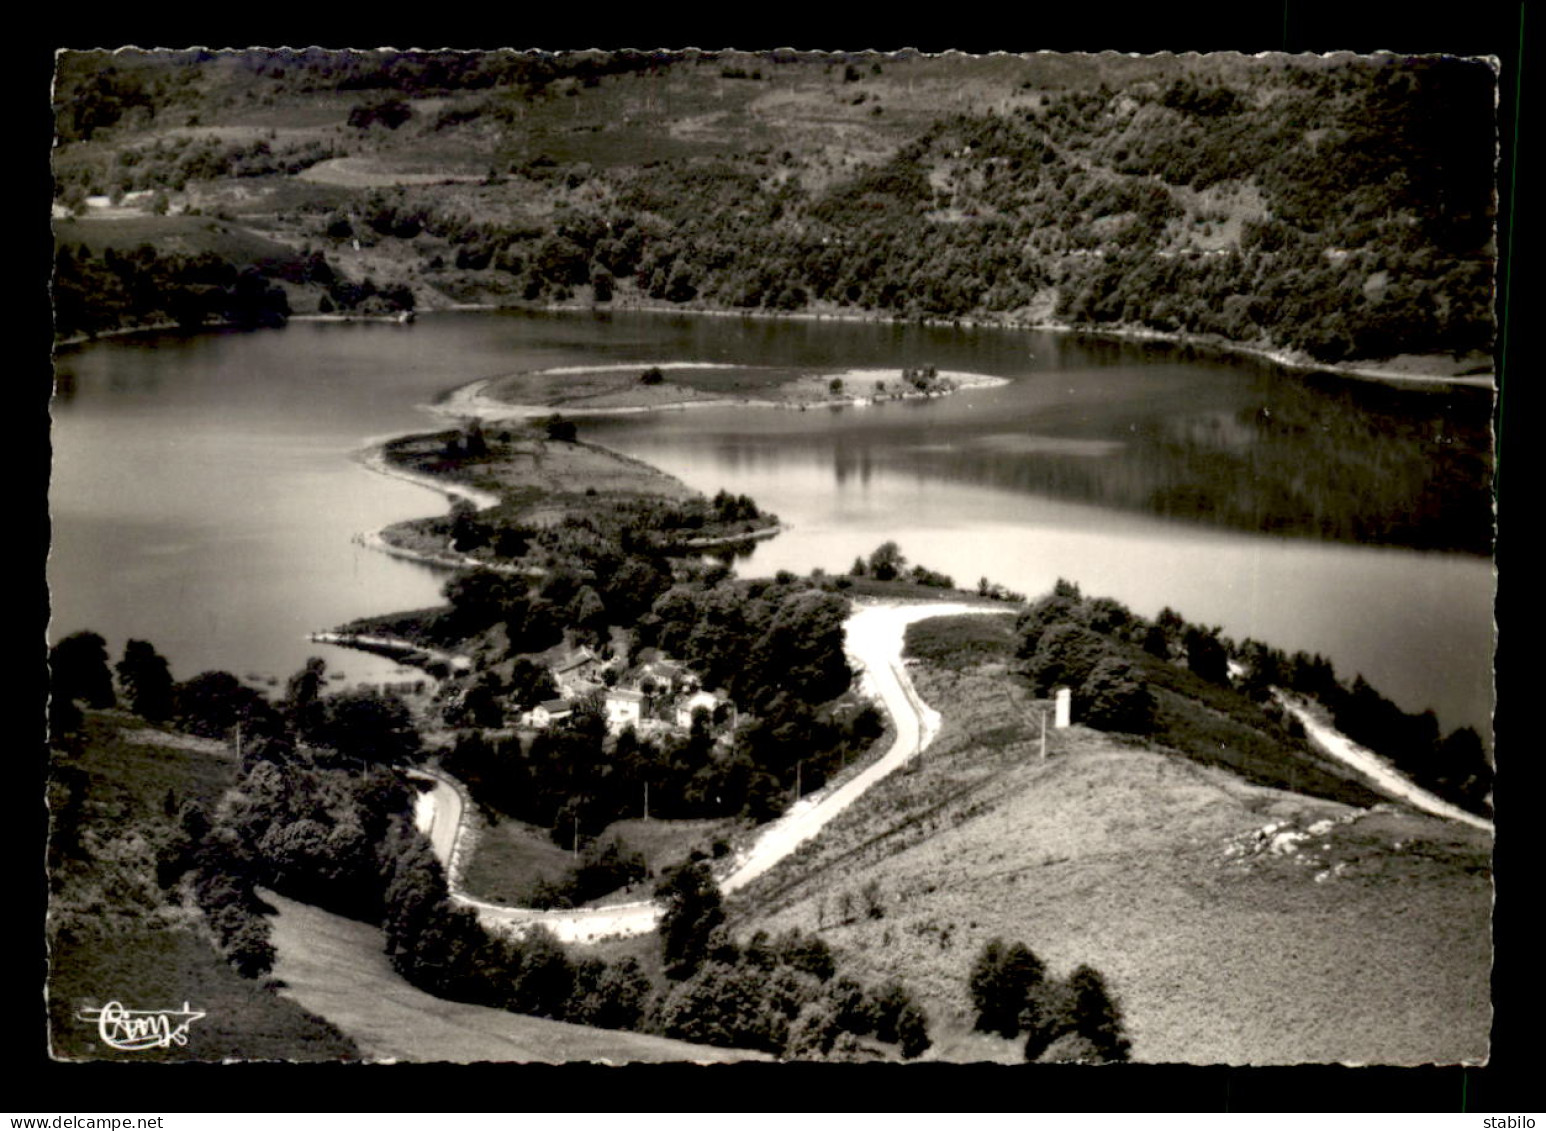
1228 931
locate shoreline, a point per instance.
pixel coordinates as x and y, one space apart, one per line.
1284 359
1369 369
226 324
449 561
373 457
472 400
391 646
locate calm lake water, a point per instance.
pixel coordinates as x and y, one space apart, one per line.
203 497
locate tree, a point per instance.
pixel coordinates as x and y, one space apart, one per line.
303 698
1461 762
1065 655
369 725
801 653
1097 1017
212 703
78 665
530 684
481 597
912 1030
1048 611
725 1005
602 284
1206 657
609 995
690 913
146 679
481 706
1001 982
391 113
1113 699
544 981
248 948
560 431
886 562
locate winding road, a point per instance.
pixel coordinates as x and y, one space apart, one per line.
874 640
1381 774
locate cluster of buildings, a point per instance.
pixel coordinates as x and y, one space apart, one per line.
654 696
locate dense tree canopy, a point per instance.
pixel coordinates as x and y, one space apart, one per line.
78 665
146 680
691 910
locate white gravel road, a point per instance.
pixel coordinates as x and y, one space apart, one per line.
1380 773
874 643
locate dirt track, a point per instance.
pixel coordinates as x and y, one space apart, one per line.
1370 765
874 642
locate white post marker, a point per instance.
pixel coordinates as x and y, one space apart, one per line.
1064 707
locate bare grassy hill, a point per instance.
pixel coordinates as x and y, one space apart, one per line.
1228 931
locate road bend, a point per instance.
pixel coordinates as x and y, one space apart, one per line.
874 641
1385 777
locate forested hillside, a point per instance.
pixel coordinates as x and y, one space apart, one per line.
1340 207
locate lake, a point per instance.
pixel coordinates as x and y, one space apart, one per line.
203 496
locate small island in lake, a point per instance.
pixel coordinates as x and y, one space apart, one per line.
596 390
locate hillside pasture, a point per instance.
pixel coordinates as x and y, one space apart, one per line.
116 935
175 235
1224 940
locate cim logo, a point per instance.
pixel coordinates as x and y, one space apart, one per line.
135 1030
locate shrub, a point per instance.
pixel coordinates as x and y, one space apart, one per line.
1113 699
1001 982
692 911
912 1028
1065 655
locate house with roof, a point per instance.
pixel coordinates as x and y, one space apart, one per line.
624 707
705 700
544 715
662 676
577 672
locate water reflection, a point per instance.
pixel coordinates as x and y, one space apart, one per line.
203 498
1326 459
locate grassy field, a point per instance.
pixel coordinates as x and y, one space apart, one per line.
162 968
1367 941
338 967
527 470
115 935
603 389
512 855
181 235
1213 725
962 642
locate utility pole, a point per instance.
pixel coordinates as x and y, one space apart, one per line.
646 801
1042 714
798 766
238 742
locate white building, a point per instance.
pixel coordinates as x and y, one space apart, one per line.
544 715
689 706
625 708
